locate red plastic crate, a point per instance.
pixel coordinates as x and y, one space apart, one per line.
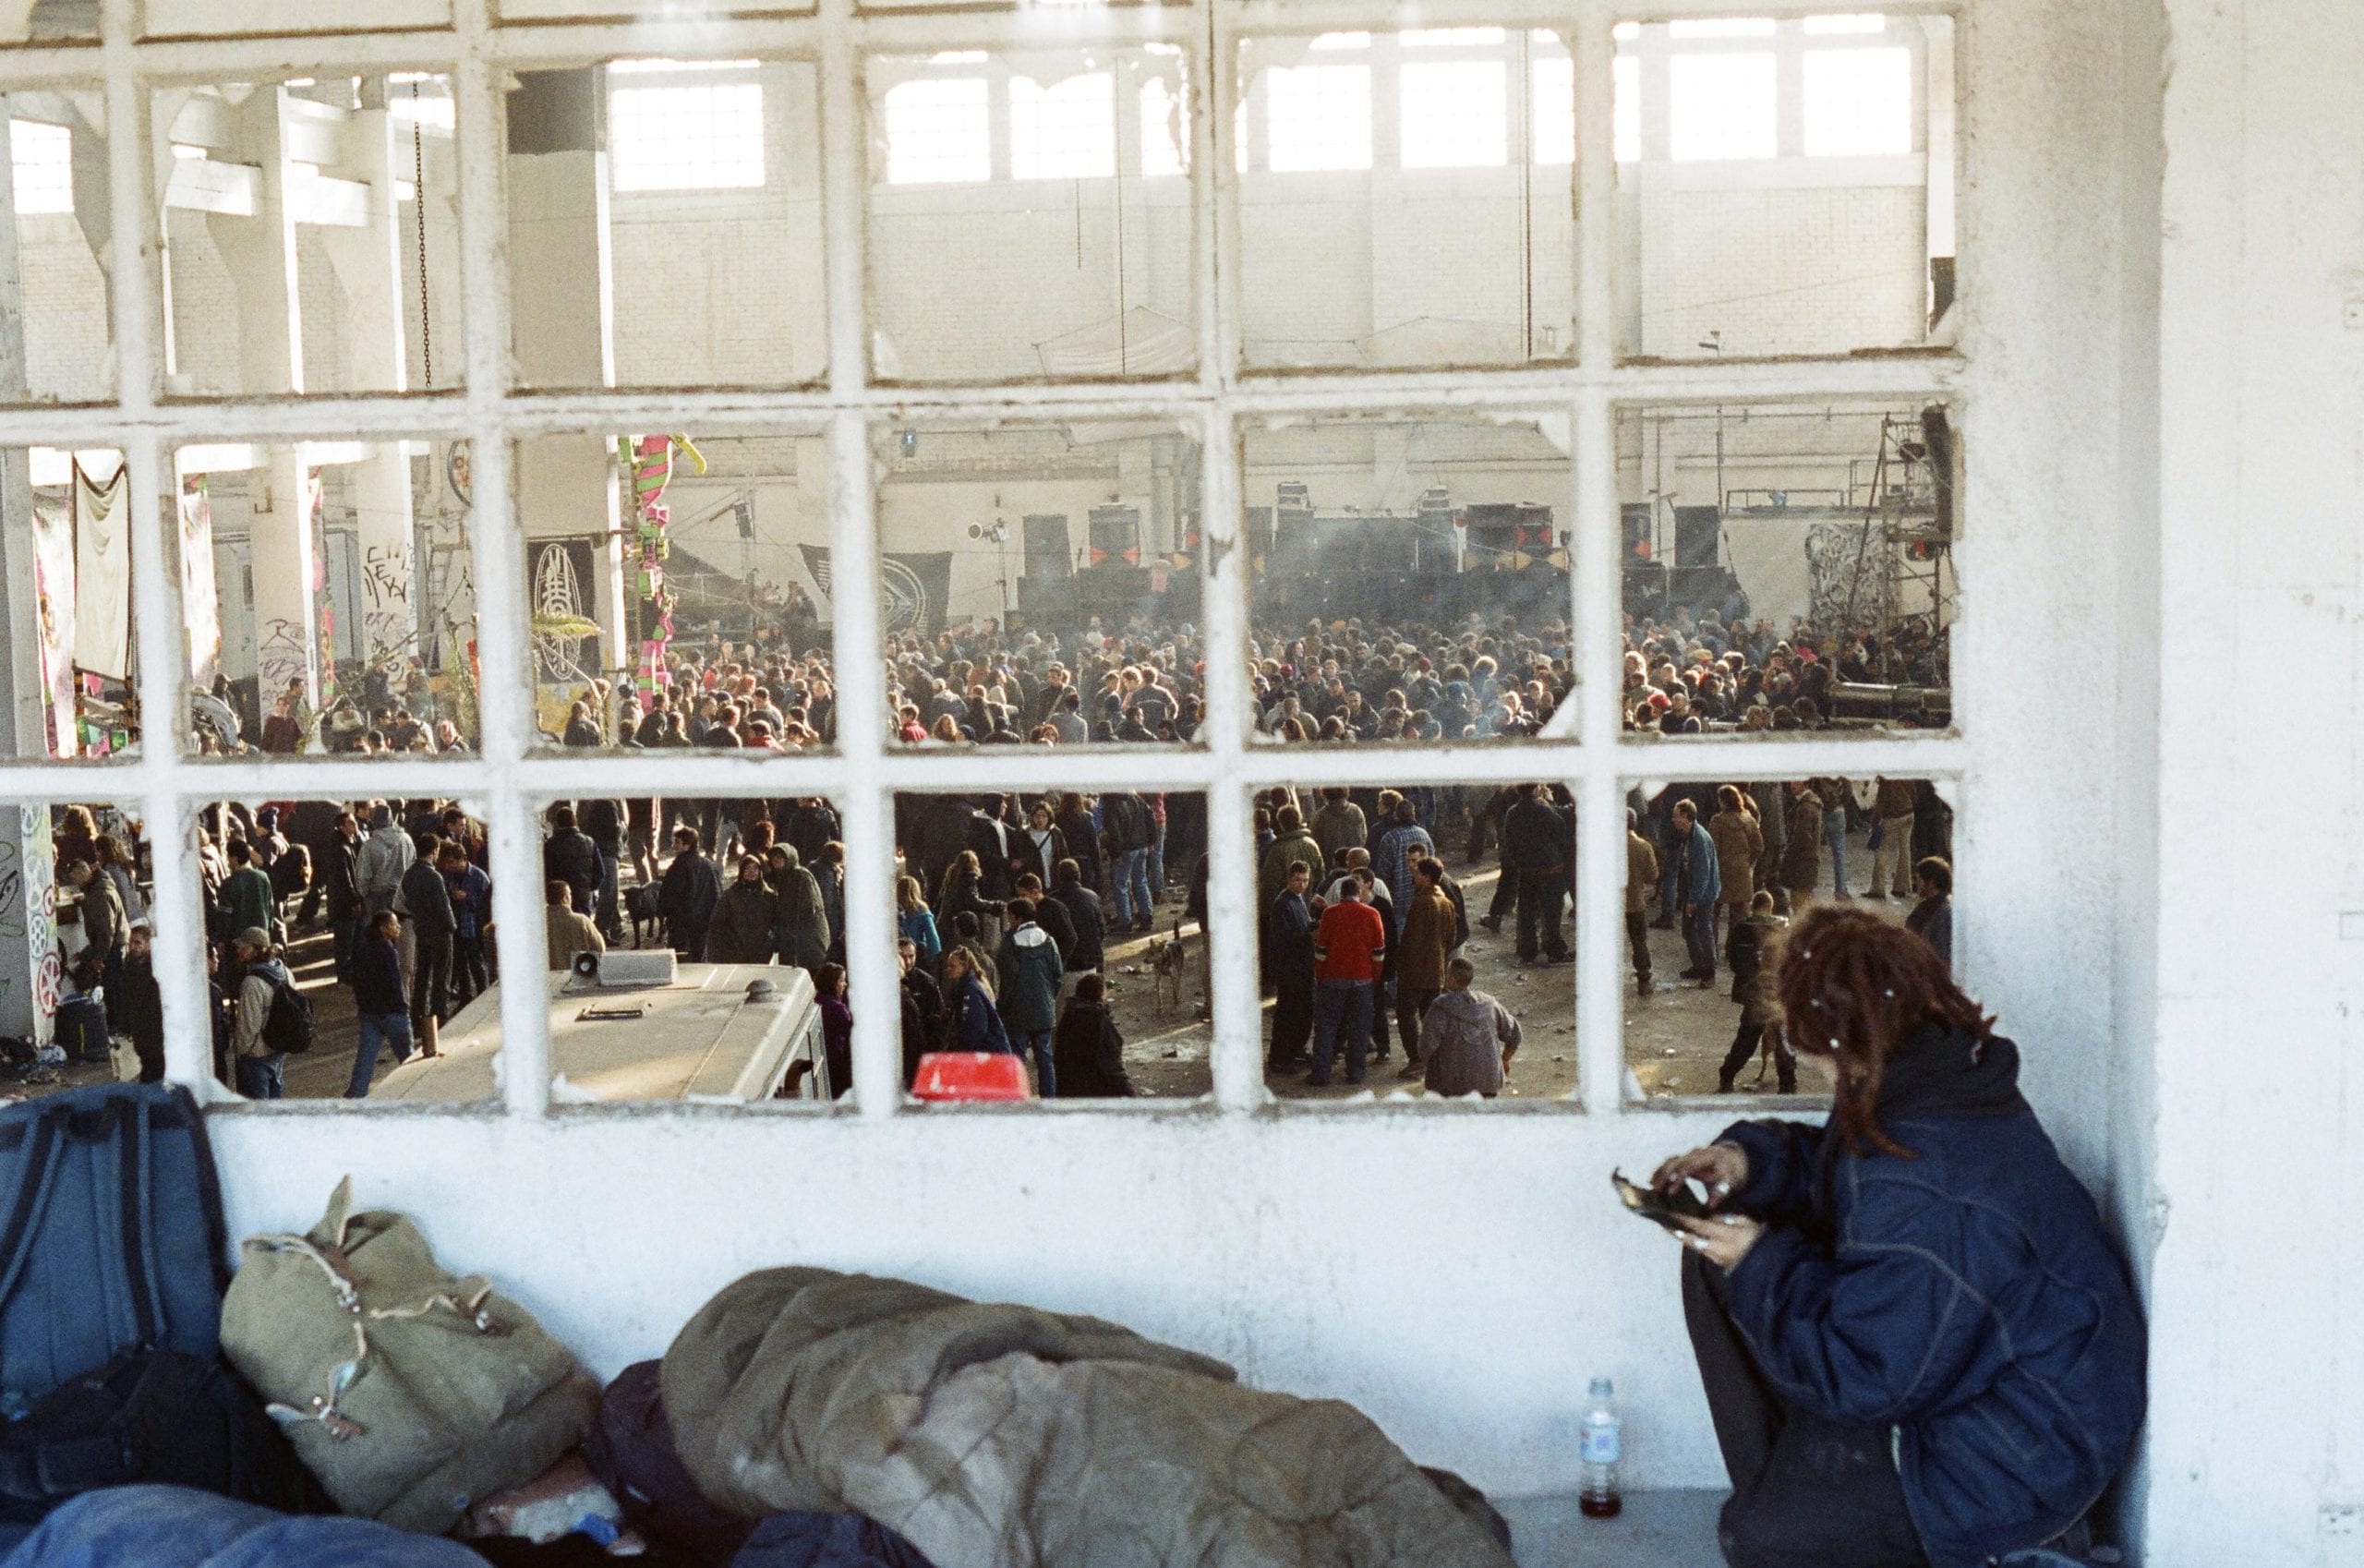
971 1075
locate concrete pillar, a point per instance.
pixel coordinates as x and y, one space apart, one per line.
31 972
562 291
260 253
567 488
381 503
23 718
279 545
369 264
368 259
561 282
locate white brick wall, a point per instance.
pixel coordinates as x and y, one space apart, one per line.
1820 270
726 291
67 345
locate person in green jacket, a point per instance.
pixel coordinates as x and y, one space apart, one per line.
1293 845
1031 974
247 900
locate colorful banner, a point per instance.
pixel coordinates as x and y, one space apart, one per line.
324 645
53 588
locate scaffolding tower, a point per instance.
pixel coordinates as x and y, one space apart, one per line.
1904 552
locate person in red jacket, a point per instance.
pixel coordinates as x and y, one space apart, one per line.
1348 948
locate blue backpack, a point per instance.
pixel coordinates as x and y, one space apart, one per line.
111 1234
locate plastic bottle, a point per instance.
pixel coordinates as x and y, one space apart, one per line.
1604 1443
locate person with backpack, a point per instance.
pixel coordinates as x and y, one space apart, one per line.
273 1019
378 999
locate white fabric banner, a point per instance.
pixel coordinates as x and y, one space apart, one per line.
102 573
1768 556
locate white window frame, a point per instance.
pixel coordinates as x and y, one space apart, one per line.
511 778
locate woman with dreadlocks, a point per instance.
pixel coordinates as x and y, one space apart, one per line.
1919 1344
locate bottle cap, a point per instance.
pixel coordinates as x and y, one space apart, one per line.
1603 1389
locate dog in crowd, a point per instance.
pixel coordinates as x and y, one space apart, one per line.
1168 957
641 905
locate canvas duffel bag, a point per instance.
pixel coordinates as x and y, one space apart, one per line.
408 1393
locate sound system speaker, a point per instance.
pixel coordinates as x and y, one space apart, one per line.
1047 551
1260 532
1635 514
1048 601
1698 534
1937 430
1116 535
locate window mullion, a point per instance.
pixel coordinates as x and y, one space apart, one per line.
1237 1057
1600 931
1598 561
861 699
180 968
505 693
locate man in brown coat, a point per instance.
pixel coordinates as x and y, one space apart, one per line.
1892 803
1640 876
1426 943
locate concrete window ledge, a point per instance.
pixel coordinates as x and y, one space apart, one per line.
1657 1529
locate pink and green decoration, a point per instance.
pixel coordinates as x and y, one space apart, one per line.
650 461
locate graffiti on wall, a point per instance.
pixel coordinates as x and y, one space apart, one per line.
385 587
1847 567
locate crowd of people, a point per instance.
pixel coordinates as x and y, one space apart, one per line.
984 683
1007 905
1689 674
1730 865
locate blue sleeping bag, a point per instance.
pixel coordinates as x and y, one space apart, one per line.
175 1527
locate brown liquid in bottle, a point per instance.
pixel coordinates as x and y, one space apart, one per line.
1601 1505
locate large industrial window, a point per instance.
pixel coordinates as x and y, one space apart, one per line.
44 160
704 138
984 408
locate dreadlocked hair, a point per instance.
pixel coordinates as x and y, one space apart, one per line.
1853 988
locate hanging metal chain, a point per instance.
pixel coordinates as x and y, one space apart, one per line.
418 209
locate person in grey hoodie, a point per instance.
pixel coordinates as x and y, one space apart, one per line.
1468 1038
380 861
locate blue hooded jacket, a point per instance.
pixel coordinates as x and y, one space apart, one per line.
1968 1299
